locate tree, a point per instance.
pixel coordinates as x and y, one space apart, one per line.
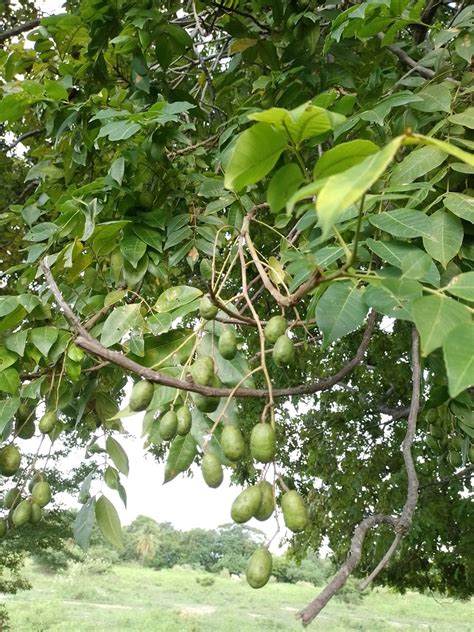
195 170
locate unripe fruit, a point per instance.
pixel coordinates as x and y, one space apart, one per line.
23 413
41 494
284 351
202 371
457 443
275 328
47 422
208 404
437 432
227 344
185 420
211 469
12 498
207 309
232 443
295 513
22 514
168 425
10 458
246 505
3 528
36 513
431 416
267 505
36 478
455 458
263 442
25 429
141 396
432 443
259 568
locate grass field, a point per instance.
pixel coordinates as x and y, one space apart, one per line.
138 599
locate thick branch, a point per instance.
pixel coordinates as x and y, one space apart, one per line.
88 343
21 28
406 60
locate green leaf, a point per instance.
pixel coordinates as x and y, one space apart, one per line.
416 265
435 316
6 358
418 163
10 381
255 154
459 359
283 184
461 205
393 297
180 456
16 342
44 338
32 390
441 144
175 297
111 477
167 349
117 169
445 238
462 285
109 522
343 189
340 310
41 232
8 408
394 252
132 249
464 45
84 523
151 237
466 118
117 454
120 321
436 98
119 130
343 157
8 304
403 222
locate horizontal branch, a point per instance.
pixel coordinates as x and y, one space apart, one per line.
405 59
17 30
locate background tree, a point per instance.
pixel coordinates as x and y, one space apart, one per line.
301 159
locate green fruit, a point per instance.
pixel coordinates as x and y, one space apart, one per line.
202 371
431 416
25 429
36 478
267 505
432 443
141 396
227 344
168 425
457 443
246 505
22 514
47 422
185 420
36 513
12 498
3 528
146 199
275 328
10 458
212 472
23 413
295 512
437 432
284 351
208 404
471 454
232 443
207 309
263 442
41 494
259 568
455 458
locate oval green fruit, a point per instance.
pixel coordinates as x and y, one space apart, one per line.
23 413
10 459
36 478
208 404
168 425
207 309
431 416
437 432
146 199
22 514
263 442
275 328
212 472
47 422
25 429
432 443
202 371
41 494
12 498
141 395
259 568
232 443
457 443
267 506
295 512
455 458
3 528
185 420
36 513
284 351
246 505
227 344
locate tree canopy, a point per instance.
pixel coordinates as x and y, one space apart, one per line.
259 212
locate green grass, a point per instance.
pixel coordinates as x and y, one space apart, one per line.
133 598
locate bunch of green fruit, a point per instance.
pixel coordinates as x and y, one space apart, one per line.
27 510
283 347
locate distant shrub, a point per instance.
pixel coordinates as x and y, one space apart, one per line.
206 581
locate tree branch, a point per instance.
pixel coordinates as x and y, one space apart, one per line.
88 343
405 59
21 28
20 139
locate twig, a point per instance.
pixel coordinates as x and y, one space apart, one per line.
464 473
22 137
21 28
427 73
88 343
383 562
